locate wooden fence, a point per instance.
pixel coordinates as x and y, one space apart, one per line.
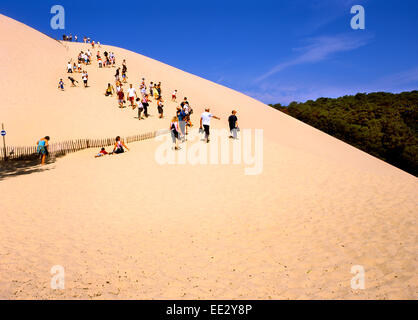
57 149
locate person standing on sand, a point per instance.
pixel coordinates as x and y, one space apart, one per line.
145 105
42 148
121 95
184 102
174 128
181 115
119 145
69 67
205 122
61 85
151 86
85 78
132 96
233 125
174 96
117 74
160 107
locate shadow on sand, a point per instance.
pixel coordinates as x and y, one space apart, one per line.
13 168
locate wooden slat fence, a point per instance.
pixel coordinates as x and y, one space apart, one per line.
57 149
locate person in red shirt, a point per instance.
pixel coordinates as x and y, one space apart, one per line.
121 95
102 153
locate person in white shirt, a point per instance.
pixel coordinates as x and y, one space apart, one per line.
69 67
132 95
205 122
85 77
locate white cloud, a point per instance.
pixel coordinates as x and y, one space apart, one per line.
319 49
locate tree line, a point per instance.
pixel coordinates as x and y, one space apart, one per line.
382 124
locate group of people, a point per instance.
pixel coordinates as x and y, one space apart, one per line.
180 122
85 39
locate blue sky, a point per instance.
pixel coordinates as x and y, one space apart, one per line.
275 51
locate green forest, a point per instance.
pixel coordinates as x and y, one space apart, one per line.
382 124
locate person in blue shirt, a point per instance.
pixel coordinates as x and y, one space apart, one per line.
42 148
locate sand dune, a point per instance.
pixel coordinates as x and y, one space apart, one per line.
128 227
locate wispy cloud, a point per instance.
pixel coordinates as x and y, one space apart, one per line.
401 78
319 49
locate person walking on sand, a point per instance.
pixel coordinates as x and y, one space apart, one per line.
205 122
132 96
119 146
181 115
121 95
174 96
117 74
85 78
160 107
233 124
61 85
42 148
145 105
174 129
73 81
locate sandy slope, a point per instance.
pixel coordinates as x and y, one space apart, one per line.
128 227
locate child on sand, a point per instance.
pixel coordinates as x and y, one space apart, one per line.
42 148
102 153
119 145
174 96
69 67
61 85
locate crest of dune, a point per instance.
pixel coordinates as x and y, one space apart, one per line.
128 227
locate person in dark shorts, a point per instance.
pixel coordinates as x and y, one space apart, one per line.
61 85
205 122
160 107
119 146
233 124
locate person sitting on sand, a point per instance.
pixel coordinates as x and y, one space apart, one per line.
119 145
102 153
61 85
73 81
110 90
42 148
